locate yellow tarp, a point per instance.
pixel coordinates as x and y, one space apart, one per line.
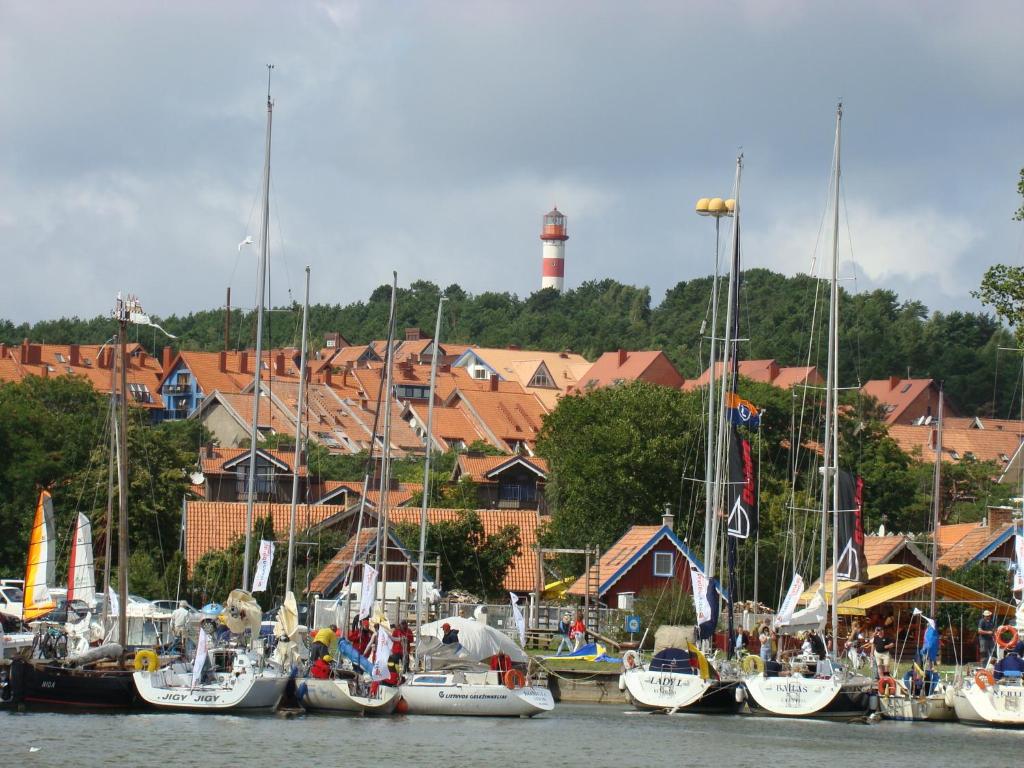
946 591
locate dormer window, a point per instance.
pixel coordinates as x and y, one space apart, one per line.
60 357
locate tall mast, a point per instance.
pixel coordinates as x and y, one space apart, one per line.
830 480
108 542
385 474
936 505
709 456
261 287
426 465
298 441
122 475
727 364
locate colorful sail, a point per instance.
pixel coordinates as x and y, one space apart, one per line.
81 574
852 564
41 566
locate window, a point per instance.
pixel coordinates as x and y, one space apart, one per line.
60 357
480 373
542 378
140 393
663 564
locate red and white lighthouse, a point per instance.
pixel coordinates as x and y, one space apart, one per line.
553 236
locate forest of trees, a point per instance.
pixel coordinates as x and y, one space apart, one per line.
881 334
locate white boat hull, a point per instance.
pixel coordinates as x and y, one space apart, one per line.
932 708
441 694
663 690
337 696
803 697
170 689
1000 704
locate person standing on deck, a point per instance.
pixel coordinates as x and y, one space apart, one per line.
882 647
765 638
564 625
179 626
986 636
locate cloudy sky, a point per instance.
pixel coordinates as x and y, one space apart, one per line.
430 137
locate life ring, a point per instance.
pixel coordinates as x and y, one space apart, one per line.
984 679
753 665
1006 637
146 660
514 679
887 686
631 659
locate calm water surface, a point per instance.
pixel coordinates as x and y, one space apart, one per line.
594 736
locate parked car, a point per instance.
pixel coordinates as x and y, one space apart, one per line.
12 596
169 606
77 609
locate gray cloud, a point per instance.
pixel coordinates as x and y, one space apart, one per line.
430 138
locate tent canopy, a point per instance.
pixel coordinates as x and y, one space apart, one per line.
477 641
946 591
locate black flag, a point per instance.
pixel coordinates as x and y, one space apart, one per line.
706 630
742 488
852 564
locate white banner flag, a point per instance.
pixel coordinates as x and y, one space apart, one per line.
518 616
200 660
368 592
699 583
381 655
1018 575
259 580
796 588
115 606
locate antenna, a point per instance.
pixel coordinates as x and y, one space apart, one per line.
270 69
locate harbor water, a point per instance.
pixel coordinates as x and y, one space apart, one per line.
591 736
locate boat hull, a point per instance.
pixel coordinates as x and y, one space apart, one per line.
165 689
998 705
440 695
45 685
674 691
336 696
805 697
933 708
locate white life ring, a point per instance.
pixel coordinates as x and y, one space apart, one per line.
630 660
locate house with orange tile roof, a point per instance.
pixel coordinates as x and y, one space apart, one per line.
349 494
906 401
1002 447
92 362
547 375
510 421
399 566
991 540
646 557
504 482
213 525
621 367
453 428
765 372
226 471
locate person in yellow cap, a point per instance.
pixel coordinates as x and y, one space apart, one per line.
324 641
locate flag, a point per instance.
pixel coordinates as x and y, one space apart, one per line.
517 615
1018 574
259 579
368 593
852 563
381 655
796 588
705 601
115 606
201 657
742 521
740 412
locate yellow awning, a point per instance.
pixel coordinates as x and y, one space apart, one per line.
946 591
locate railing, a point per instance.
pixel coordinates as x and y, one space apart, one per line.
176 413
177 389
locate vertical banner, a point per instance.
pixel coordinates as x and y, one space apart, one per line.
380 656
115 605
262 575
200 660
796 588
742 521
1018 575
852 563
517 615
368 592
699 584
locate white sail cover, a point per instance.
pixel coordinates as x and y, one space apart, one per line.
811 617
477 641
242 612
81 574
289 649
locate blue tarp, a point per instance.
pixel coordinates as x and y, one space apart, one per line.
672 660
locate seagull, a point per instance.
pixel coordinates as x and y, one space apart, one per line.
247 241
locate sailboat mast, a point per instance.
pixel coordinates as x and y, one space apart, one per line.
936 506
261 287
298 442
122 476
107 541
385 474
426 465
830 481
709 457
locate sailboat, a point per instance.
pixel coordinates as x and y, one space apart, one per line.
826 690
234 678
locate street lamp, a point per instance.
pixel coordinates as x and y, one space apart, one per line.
716 207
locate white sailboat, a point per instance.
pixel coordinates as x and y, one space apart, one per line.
235 678
826 690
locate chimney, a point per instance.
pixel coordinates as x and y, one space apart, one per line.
999 516
622 357
209 452
667 518
243 362
344 373
23 359
494 382
74 357
893 382
514 347
364 404
328 373
3 350
279 364
773 371
44 371
35 354
168 357
444 368
413 334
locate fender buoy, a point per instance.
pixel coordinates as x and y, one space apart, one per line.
984 679
948 697
146 660
887 686
514 679
631 659
1007 637
622 682
402 707
753 665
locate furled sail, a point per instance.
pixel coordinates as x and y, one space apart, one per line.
40 568
81 574
811 617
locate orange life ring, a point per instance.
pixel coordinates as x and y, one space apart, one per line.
514 679
887 686
1006 637
983 678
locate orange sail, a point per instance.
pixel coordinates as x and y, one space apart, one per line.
41 566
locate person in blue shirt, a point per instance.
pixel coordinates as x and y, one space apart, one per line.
1011 665
563 635
930 647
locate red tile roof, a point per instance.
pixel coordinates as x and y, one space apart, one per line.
451 426
213 459
968 546
993 445
879 550
617 555
507 416
622 366
475 468
766 372
897 396
397 497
